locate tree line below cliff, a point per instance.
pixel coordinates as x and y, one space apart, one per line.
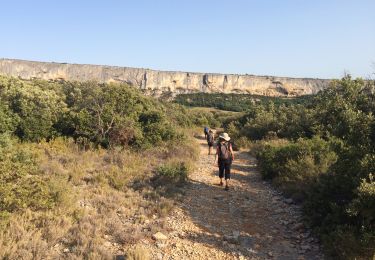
236 102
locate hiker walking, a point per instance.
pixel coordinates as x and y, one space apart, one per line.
210 141
224 156
205 130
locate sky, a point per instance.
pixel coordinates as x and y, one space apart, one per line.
294 38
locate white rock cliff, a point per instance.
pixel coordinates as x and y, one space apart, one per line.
156 83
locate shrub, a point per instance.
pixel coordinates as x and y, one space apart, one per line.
8 120
38 108
156 128
175 172
22 185
352 234
124 136
296 165
116 114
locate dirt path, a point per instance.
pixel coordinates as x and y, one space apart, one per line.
251 221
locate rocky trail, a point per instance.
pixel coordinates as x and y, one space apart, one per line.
250 221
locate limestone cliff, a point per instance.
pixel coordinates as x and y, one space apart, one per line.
155 82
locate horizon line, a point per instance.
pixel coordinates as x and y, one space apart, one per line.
168 71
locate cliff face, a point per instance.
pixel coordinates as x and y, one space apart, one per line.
159 82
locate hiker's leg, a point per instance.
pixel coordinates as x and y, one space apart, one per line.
221 171
227 174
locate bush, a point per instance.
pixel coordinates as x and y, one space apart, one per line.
362 209
349 233
174 172
22 185
38 108
331 174
156 128
8 120
296 165
116 114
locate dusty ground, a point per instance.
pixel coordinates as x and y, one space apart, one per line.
251 221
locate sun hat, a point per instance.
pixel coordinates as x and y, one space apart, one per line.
224 136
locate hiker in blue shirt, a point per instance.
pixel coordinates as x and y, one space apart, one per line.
205 130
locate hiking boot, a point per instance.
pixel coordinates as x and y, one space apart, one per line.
221 184
226 188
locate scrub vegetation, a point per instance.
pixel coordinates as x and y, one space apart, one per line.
74 180
88 168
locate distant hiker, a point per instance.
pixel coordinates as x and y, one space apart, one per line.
225 156
206 130
210 140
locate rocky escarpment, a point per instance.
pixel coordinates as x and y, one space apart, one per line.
156 83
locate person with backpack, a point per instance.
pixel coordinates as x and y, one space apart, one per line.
205 130
224 157
210 141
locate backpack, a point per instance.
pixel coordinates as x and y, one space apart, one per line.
210 138
224 152
206 130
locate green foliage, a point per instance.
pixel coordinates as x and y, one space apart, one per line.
175 172
97 111
350 233
116 114
330 154
156 128
296 165
38 206
102 114
38 107
8 120
363 206
346 110
292 122
326 157
22 185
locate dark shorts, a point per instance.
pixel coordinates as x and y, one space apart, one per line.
224 168
210 144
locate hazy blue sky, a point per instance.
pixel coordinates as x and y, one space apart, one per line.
317 38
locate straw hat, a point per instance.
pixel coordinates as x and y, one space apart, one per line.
224 136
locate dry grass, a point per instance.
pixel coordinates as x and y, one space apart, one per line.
30 235
138 253
105 203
